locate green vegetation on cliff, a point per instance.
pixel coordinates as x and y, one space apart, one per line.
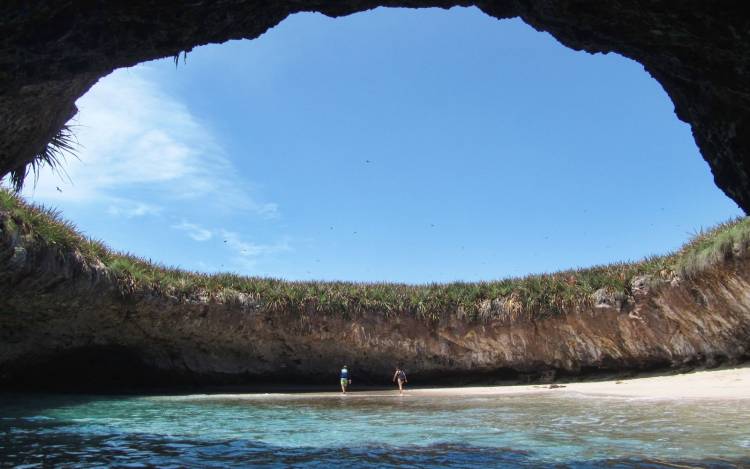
533 296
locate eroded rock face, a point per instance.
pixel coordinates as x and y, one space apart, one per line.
51 53
66 321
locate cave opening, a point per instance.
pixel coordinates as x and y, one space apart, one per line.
409 146
404 145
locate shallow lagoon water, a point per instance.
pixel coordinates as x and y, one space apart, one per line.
366 430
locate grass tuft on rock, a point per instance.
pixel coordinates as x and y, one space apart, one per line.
53 155
47 226
725 241
530 297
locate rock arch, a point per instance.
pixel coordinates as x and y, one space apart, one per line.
51 53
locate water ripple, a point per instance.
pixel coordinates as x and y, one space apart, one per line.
64 431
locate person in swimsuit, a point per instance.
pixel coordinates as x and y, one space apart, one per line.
400 377
344 379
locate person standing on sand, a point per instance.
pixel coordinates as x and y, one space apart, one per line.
400 377
344 379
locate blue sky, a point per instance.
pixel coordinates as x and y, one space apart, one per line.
391 145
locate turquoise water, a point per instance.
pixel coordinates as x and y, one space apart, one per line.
386 431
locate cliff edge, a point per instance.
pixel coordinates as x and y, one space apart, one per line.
73 312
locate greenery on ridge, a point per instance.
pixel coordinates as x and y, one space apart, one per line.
532 296
707 248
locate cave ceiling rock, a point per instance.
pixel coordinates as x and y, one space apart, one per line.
52 52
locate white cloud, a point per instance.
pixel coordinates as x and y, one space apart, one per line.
233 240
248 251
196 232
143 154
135 138
245 253
132 209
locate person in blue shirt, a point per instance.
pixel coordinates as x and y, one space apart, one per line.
344 378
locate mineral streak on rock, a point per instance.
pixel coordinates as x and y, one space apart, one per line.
53 52
65 320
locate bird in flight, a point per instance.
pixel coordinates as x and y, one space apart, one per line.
58 189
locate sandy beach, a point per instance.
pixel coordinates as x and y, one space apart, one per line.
731 383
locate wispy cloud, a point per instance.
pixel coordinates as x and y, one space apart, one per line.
144 156
132 209
245 254
137 141
195 232
249 249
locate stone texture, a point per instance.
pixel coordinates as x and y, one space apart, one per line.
606 298
52 52
66 321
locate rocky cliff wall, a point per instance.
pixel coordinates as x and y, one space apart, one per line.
51 52
68 321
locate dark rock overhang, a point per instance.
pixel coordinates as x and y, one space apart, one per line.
52 52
